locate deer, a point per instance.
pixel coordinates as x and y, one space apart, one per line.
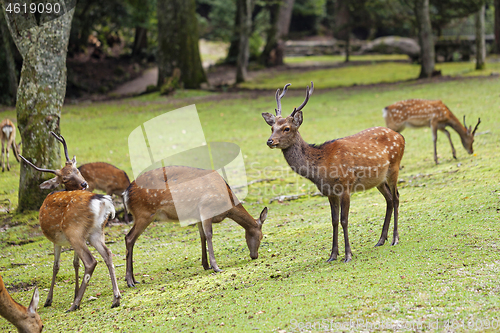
178 193
435 114
26 319
340 167
107 178
73 217
8 138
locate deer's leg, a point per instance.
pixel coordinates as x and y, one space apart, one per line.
207 229
395 199
141 222
434 129
204 260
55 270
97 241
386 192
334 206
345 202
7 157
89 263
3 152
125 213
76 265
451 143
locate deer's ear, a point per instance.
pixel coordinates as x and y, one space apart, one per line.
297 118
263 216
34 301
269 118
50 184
74 160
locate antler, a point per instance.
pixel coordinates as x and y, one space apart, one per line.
465 125
279 97
475 128
308 94
37 168
61 139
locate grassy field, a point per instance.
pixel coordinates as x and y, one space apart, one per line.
443 276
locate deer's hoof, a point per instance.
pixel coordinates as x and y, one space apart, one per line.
347 259
73 308
47 303
116 303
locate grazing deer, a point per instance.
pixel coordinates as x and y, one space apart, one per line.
107 178
25 319
178 193
422 113
341 167
73 217
8 138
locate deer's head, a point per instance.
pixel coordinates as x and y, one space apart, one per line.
284 130
254 236
69 175
468 139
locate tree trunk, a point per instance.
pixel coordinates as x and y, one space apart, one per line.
342 24
140 41
272 55
480 39
243 51
497 26
285 17
232 53
425 37
178 42
9 59
40 96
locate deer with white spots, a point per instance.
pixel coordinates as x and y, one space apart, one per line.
184 193
433 114
8 138
340 167
73 217
26 319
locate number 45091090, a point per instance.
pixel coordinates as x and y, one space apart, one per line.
33 8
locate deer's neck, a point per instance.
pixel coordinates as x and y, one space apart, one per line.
303 159
240 215
9 309
457 126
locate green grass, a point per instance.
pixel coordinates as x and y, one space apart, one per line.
340 58
445 269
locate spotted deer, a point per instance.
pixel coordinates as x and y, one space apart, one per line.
435 114
183 193
26 319
107 178
340 167
8 138
73 217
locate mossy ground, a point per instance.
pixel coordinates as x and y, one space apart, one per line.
444 271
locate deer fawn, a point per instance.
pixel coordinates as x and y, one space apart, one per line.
25 319
420 113
341 167
73 217
179 192
8 138
107 178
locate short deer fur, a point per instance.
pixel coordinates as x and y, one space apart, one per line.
107 178
185 192
340 167
73 217
26 319
8 138
424 113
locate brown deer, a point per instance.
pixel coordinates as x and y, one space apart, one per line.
8 138
26 319
340 167
107 178
184 193
423 113
73 217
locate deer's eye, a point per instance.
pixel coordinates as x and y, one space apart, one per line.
287 129
65 179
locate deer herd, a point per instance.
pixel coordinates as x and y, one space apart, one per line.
76 216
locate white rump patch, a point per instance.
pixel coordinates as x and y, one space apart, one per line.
7 130
125 199
102 208
384 112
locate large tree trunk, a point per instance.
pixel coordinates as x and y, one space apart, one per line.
272 55
178 42
9 59
285 17
41 92
480 39
342 24
425 37
140 41
245 29
497 26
